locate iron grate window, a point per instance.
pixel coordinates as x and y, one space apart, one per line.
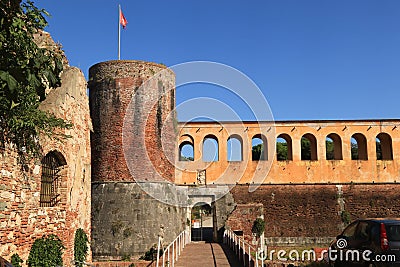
51 169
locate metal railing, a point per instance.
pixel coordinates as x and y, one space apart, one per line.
172 252
246 253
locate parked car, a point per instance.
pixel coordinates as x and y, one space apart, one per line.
367 242
4 263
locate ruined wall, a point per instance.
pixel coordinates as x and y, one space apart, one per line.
298 214
22 220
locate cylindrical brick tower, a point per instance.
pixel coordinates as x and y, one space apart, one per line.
132 108
127 96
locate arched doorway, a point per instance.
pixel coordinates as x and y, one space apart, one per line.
202 222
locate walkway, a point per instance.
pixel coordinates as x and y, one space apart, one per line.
207 255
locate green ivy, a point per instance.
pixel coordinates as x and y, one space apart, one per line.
16 260
258 227
80 247
46 252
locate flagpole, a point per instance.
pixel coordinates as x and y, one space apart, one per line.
119 32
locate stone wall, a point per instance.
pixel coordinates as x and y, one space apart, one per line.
299 214
22 220
127 221
223 208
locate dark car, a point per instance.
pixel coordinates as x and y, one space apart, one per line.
367 242
4 263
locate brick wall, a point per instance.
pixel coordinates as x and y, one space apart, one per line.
312 211
242 218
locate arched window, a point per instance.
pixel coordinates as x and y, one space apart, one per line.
259 148
359 147
210 148
51 178
284 147
234 145
186 148
384 150
308 147
333 147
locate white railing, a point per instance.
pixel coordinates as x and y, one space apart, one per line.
172 252
243 250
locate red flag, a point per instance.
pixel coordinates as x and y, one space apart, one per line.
122 19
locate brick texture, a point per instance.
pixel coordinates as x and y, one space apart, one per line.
311 210
125 95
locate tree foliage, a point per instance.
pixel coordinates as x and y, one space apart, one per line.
257 152
379 155
26 71
330 150
305 149
281 151
354 151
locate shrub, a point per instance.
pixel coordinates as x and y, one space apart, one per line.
16 260
151 254
258 227
46 252
80 247
346 217
126 257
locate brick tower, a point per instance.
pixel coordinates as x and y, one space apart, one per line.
128 91
132 108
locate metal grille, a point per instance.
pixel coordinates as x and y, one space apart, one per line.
51 168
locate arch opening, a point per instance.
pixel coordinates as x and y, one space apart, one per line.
186 151
259 148
235 148
308 147
284 147
384 149
333 147
210 149
358 147
186 148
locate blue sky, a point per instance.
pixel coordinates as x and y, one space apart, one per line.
312 59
